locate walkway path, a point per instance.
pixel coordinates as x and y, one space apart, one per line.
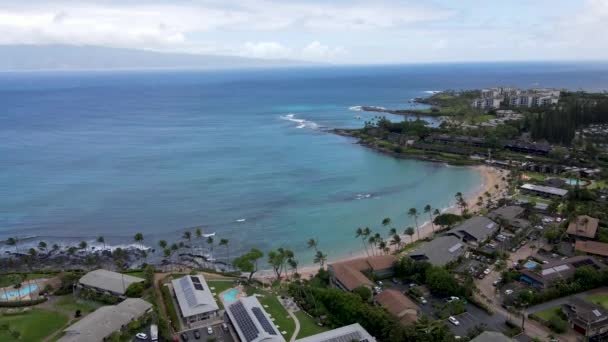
296 330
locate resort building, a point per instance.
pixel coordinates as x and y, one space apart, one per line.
494 98
101 323
527 147
511 215
440 251
349 333
491 336
400 306
251 322
591 247
194 298
588 319
583 227
544 191
348 275
475 231
109 282
543 276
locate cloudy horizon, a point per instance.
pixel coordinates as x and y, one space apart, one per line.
341 32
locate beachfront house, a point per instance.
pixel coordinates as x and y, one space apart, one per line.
511 215
475 231
195 300
103 322
348 333
348 275
251 322
108 282
543 191
440 251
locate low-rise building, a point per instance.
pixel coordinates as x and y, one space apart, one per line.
109 282
591 247
251 322
511 215
491 336
101 323
475 231
586 318
349 333
400 306
583 227
440 251
348 275
547 274
544 191
194 298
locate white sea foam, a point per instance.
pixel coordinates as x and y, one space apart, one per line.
355 108
301 123
240 220
363 196
432 91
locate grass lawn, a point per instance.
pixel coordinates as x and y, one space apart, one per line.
549 313
599 299
12 279
71 304
525 198
276 310
138 274
219 286
308 326
535 175
33 325
598 184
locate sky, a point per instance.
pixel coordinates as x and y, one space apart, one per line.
336 31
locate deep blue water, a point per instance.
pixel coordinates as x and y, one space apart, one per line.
114 153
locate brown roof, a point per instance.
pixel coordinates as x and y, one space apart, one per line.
592 247
349 272
585 226
398 305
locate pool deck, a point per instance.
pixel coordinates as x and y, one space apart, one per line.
38 283
239 294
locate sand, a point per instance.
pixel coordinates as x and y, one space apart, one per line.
491 177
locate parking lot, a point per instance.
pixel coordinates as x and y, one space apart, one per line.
218 334
475 316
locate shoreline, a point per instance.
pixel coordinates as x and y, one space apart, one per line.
490 176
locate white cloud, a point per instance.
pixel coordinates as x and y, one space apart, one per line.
271 50
315 51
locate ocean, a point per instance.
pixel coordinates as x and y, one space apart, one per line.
243 153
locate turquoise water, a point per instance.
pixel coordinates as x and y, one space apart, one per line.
245 154
230 295
573 182
25 290
530 264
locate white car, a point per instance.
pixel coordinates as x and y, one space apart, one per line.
453 320
210 330
141 336
487 271
508 292
423 300
452 298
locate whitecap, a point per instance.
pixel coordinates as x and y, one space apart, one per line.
355 108
432 91
240 220
301 123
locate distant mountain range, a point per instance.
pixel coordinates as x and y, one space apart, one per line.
69 57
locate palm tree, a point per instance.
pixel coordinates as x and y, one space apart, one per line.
386 221
55 247
139 237
224 242
198 233
320 258
414 213
101 239
83 245
188 236
360 233
42 246
382 245
210 242
372 241
396 241
410 231
293 264
313 243
392 232
429 210
174 248
162 244
13 241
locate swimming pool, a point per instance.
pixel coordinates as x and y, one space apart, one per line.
230 295
18 293
572 182
531 264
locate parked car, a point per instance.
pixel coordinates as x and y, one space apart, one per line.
423 300
210 330
224 326
508 292
453 320
413 285
487 271
451 299
377 289
496 282
184 337
395 281
141 336
380 283
197 335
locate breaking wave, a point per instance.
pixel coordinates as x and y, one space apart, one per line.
301 123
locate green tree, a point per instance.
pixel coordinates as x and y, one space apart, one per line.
410 231
414 213
429 210
83 245
162 244
248 262
139 238
42 246
364 292
363 233
224 242
320 258
210 243
312 243
440 281
13 241
102 240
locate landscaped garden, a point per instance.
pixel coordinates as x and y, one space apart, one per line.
600 299
308 326
32 325
271 304
219 286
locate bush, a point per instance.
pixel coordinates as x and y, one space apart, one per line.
135 290
170 307
22 303
364 292
558 325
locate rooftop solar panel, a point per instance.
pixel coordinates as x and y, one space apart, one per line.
195 279
244 321
198 286
455 248
597 313
188 292
562 268
263 321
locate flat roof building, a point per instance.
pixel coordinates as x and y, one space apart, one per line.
547 274
349 333
583 226
101 323
591 247
107 281
440 251
475 230
194 298
546 191
348 275
251 322
491 336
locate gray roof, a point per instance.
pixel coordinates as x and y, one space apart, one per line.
440 250
102 322
109 281
478 227
193 295
348 333
509 213
545 189
251 322
491 336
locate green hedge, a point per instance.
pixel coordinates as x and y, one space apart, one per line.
22 303
170 307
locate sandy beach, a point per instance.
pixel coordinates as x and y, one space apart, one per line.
490 177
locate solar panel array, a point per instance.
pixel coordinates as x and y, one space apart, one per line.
352 336
188 292
584 262
455 248
244 321
263 321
